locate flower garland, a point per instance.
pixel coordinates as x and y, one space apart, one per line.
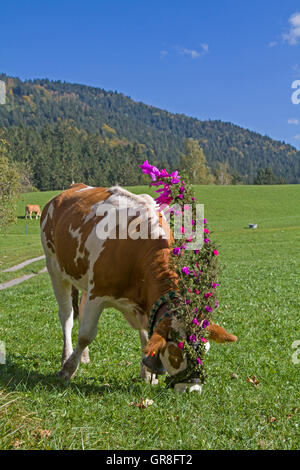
197 275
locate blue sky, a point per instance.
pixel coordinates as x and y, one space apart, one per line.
219 59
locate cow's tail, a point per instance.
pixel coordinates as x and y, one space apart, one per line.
75 302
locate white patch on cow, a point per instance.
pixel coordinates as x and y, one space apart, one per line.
49 214
123 200
76 234
84 189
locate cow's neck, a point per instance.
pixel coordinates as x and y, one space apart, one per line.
159 279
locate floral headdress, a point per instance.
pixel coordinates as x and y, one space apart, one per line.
196 275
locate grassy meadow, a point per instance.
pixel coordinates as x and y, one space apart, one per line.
252 397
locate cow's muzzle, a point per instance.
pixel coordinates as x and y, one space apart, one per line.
154 364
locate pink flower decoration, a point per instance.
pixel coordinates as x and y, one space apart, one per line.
197 292
216 252
195 321
209 294
204 340
180 345
185 270
199 361
205 230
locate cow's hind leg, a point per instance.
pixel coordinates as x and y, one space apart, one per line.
85 356
87 333
144 372
62 291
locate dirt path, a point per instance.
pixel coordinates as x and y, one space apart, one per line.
21 265
14 282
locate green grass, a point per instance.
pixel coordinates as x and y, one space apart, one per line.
259 301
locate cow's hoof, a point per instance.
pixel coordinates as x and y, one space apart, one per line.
148 376
63 375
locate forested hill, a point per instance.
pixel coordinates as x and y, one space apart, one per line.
42 118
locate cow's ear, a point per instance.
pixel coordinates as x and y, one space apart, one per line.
155 344
220 335
158 340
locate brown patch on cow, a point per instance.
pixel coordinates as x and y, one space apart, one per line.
70 208
220 335
175 356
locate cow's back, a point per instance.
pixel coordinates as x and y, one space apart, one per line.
104 266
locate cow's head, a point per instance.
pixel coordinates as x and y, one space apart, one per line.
172 357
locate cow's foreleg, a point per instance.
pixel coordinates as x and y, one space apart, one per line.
87 333
145 374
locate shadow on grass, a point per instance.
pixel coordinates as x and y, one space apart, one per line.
14 377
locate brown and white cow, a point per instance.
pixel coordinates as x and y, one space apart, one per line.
85 247
33 208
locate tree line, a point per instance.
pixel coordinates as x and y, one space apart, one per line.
118 129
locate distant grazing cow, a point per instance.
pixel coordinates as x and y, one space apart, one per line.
33 208
128 273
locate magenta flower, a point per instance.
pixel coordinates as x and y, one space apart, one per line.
164 173
205 230
196 252
214 285
208 308
180 196
199 361
187 301
180 345
207 295
205 323
206 240
216 252
204 340
150 170
204 221
196 310
182 229
175 177
192 339
195 321
181 189
185 270
176 251
197 291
